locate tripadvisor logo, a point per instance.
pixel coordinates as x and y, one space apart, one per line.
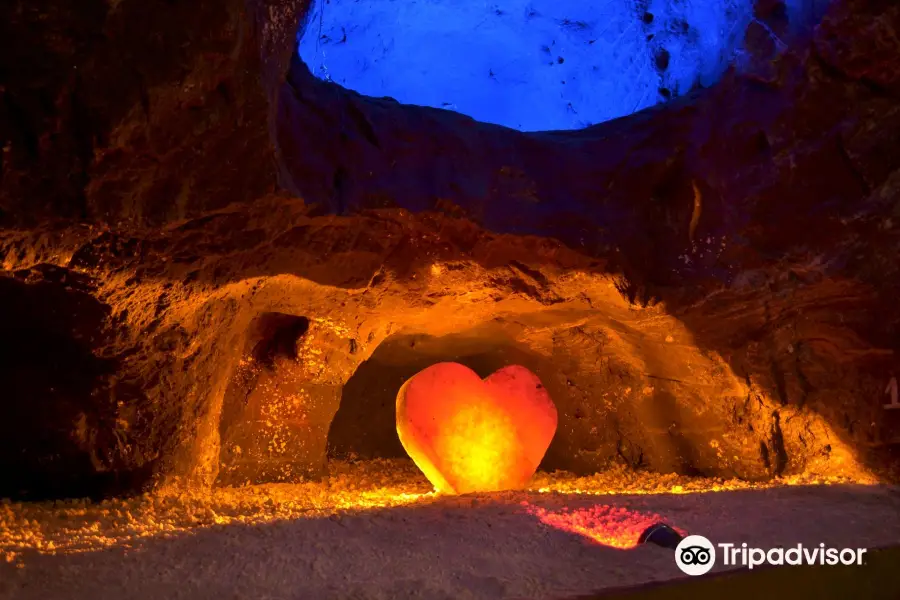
696 555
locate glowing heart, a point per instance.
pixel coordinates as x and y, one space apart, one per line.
472 435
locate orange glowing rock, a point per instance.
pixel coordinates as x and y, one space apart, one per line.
607 525
469 435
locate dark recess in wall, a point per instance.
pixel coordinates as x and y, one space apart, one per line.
57 420
275 335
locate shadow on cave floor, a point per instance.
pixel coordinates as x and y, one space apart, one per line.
486 546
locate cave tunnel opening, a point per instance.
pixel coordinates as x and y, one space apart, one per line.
365 427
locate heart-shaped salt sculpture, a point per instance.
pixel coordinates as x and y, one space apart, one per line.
472 435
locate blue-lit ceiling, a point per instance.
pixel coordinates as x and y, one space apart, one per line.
527 64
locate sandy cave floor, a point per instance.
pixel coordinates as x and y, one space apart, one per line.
373 530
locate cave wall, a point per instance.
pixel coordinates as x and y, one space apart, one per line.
754 224
775 190
192 399
49 373
397 292
140 111
626 189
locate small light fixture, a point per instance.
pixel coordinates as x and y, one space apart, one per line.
662 535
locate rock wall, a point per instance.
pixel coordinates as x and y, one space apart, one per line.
707 287
140 111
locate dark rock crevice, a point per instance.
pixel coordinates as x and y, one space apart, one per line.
275 335
62 431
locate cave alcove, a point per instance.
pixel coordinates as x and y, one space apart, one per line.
275 335
269 426
365 426
625 392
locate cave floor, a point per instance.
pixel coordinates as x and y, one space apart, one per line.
373 530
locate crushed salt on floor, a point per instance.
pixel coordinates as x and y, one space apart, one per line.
375 529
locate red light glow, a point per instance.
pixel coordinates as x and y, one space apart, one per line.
611 526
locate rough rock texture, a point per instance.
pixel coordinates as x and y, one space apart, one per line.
130 110
49 326
759 213
713 289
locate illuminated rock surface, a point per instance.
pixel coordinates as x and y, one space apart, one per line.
469 435
706 288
